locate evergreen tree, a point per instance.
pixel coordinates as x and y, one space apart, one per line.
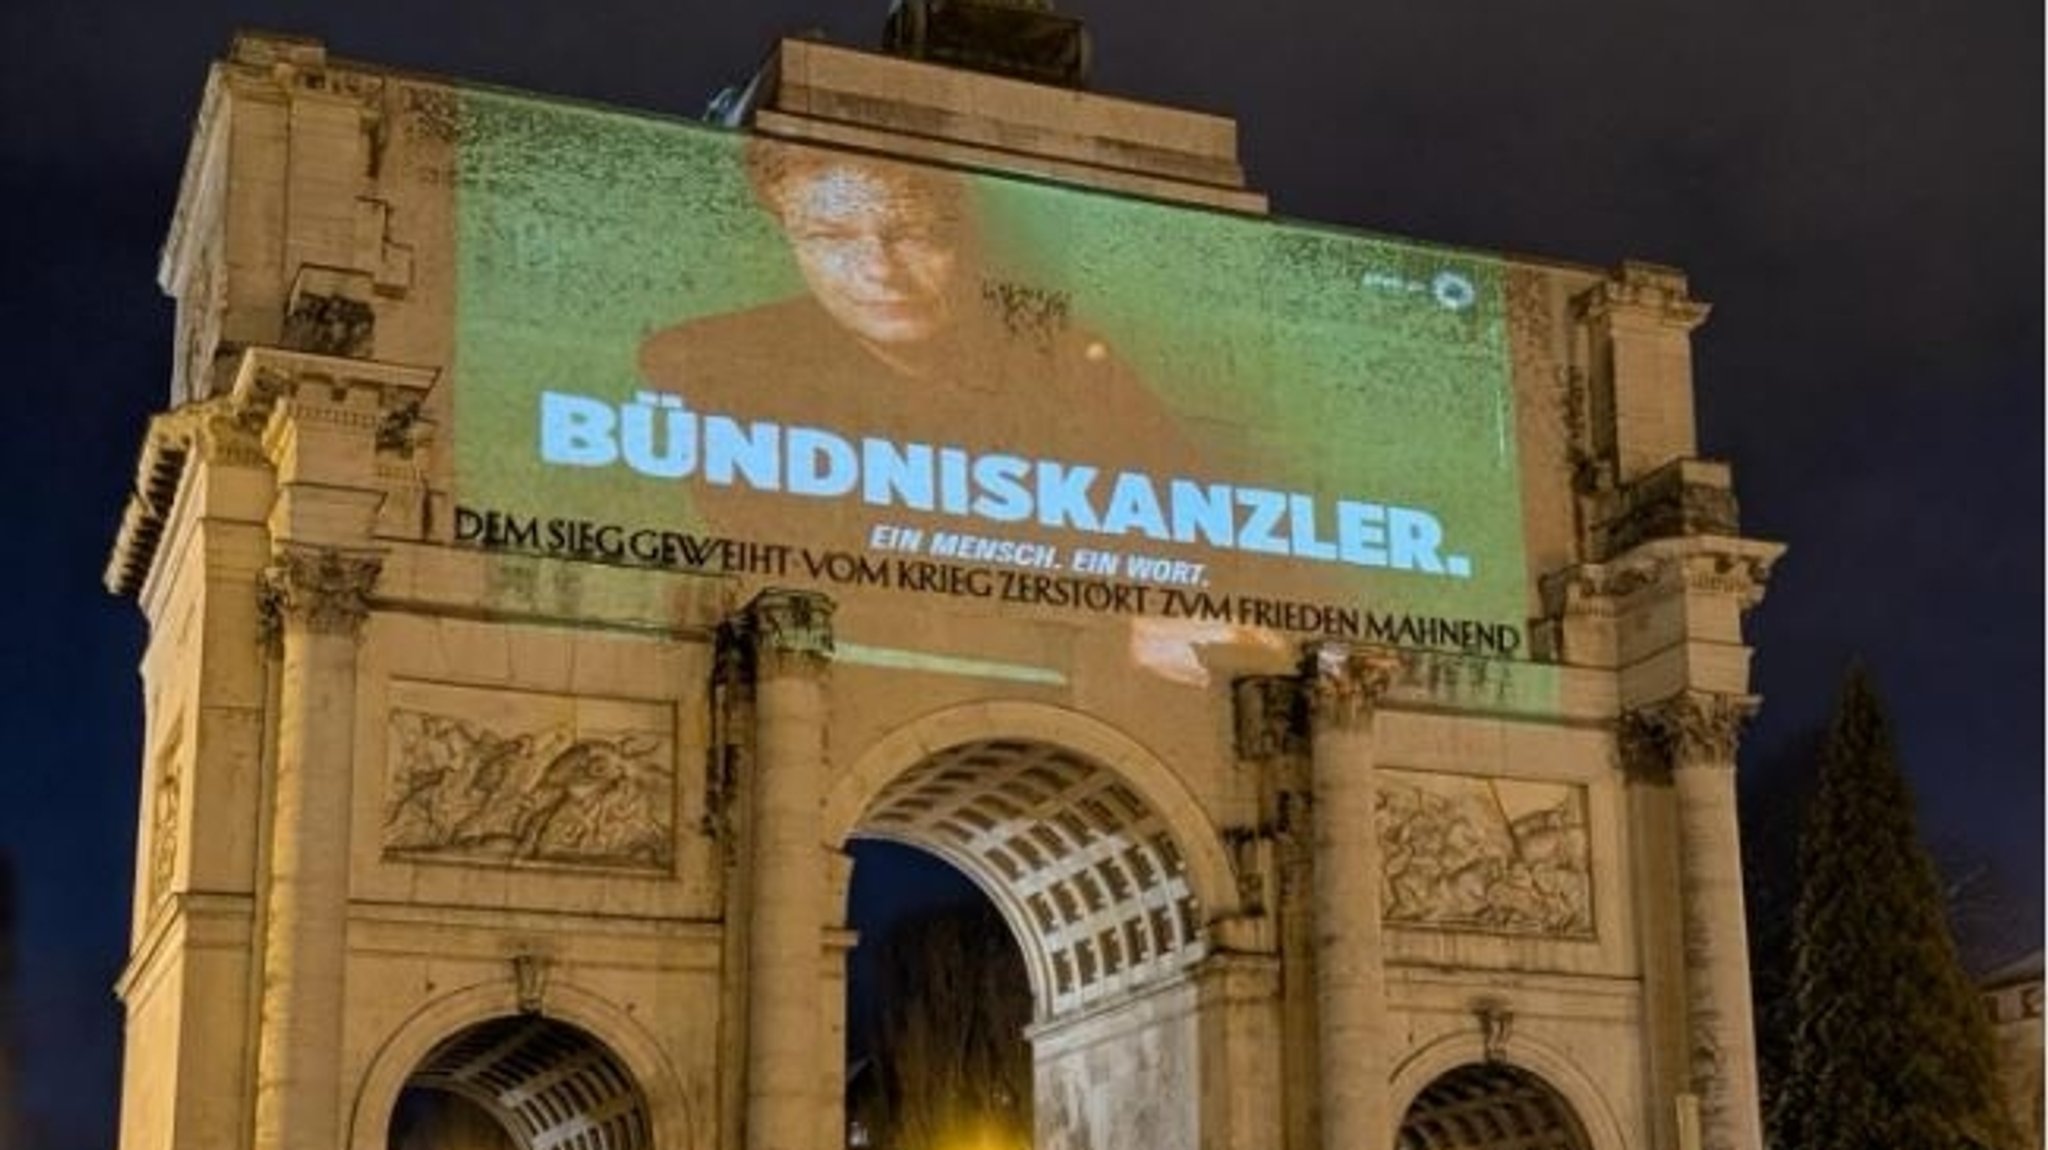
1892 1049
1774 796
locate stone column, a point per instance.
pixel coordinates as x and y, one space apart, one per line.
1271 713
1695 734
791 643
315 601
1345 685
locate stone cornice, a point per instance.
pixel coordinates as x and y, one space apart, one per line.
207 431
321 590
385 401
1597 588
279 68
1346 682
1646 290
1696 564
267 376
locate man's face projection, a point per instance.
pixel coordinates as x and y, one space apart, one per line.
877 248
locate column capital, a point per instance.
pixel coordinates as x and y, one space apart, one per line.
1346 682
789 633
1688 729
321 590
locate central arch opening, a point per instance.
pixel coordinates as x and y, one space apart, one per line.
1094 888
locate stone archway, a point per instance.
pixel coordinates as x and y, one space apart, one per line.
1101 889
521 1082
1490 1106
1085 871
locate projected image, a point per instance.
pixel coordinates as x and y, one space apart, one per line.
737 354
888 378
879 247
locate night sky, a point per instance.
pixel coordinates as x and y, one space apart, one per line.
1855 186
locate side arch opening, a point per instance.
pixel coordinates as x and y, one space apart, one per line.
520 1083
1490 1106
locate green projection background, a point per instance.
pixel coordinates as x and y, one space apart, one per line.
683 334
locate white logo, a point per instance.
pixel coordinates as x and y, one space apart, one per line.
1453 290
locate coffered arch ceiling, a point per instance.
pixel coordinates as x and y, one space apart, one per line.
542 1084
1087 873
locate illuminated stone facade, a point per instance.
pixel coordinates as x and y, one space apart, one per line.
562 839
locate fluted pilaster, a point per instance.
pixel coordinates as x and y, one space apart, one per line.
1345 685
315 601
790 642
1694 734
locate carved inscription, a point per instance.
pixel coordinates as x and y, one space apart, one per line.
463 788
1484 854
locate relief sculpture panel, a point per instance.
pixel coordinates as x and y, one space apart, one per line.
1487 854
513 778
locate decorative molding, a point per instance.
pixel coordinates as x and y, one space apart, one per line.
790 632
1271 717
1692 565
321 590
1646 289
1691 728
1496 1026
1639 750
258 387
1346 682
329 323
1744 576
530 981
222 438
404 429
1596 588
231 429
322 385
210 429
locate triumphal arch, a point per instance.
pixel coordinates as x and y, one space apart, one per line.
570 528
